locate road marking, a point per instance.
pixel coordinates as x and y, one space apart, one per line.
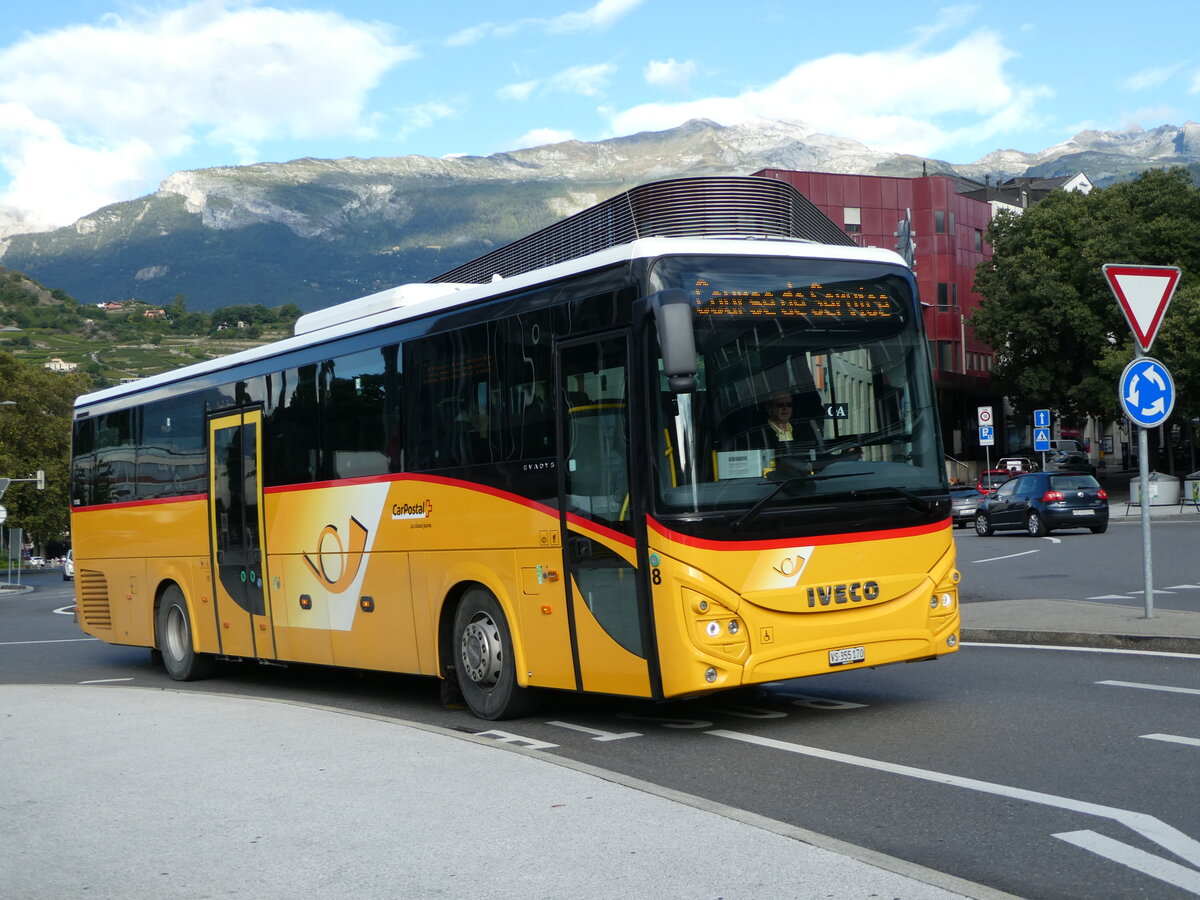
1152 687
1146 863
106 680
598 734
65 610
507 737
1166 836
1010 556
1184 587
60 641
1110 597
1171 654
1173 739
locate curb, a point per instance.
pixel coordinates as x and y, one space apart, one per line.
1158 643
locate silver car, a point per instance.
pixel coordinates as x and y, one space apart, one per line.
964 501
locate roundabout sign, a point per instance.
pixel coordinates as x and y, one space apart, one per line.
1147 392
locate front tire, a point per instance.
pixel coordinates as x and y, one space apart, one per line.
1036 525
484 660
174 632
983 528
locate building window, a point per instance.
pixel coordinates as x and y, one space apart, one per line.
952 222
939 221
978 241
947 295
852 218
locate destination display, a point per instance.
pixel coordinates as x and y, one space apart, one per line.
840 302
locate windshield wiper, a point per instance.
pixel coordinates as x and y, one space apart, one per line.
920 504
752 513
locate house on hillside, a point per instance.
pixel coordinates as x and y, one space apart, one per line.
58 365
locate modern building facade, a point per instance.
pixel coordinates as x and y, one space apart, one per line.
949 228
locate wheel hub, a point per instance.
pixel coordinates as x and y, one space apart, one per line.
481 651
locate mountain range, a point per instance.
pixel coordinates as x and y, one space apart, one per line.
317 232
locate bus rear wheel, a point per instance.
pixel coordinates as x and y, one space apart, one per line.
174 629
484 660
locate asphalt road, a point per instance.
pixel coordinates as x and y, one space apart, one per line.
1043 773
1079 565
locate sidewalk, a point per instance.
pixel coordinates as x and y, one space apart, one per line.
132 792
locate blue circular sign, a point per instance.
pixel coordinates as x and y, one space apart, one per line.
1147 392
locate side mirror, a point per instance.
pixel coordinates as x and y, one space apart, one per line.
676 339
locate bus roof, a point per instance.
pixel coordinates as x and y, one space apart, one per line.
412 301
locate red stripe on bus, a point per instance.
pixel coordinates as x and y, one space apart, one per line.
127 504
779 543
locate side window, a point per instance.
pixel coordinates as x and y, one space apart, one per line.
1005 491
83 461
357 424
524 347
454 391
171 461
116 462
291 427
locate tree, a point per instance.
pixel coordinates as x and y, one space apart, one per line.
1058 334
36 434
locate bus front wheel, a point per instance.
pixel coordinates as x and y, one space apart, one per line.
181 660
484 659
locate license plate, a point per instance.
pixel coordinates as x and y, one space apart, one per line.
1084 512
847 655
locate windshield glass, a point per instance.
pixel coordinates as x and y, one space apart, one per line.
813 387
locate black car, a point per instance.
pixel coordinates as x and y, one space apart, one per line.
1039 502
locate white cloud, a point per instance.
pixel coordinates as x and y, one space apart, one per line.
670 74
906 100
1150 78
539 137
602 15
128 95
422 116
587 81
596 18
519 92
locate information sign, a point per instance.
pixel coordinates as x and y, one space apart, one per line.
987 436
1147 392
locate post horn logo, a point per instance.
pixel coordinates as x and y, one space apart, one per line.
344 561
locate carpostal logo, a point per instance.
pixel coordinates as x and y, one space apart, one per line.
422 510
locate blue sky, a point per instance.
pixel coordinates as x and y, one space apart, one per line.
102 99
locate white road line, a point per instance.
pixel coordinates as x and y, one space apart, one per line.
1010 556
106 680
1166 836
62 641
597 734
1184 587
1152 687
1110 597
1146 863
1173 739
1168 653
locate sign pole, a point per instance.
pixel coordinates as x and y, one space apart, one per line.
1144 481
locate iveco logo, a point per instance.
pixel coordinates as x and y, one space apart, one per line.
851 592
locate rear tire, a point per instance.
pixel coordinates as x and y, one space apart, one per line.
1099 529
983 528
484 659
1035 525
174 633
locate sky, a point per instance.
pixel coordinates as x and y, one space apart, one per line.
100 100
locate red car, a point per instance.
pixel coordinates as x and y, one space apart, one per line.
991 479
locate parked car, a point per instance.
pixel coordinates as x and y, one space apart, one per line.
69 566
1039 502
36 562
990 479
964 500
1070 461
1017 464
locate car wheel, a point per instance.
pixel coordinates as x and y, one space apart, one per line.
1035 525
182 662
1099 529
484 659
983 527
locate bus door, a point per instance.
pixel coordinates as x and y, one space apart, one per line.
236 530
606 600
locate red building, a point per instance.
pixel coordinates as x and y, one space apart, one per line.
949 230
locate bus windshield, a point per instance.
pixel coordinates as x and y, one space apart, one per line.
814 389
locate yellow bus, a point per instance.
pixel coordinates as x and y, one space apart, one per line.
670 465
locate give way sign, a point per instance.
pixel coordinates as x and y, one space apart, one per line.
1143 292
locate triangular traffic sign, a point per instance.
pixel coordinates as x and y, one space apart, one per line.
1144 293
